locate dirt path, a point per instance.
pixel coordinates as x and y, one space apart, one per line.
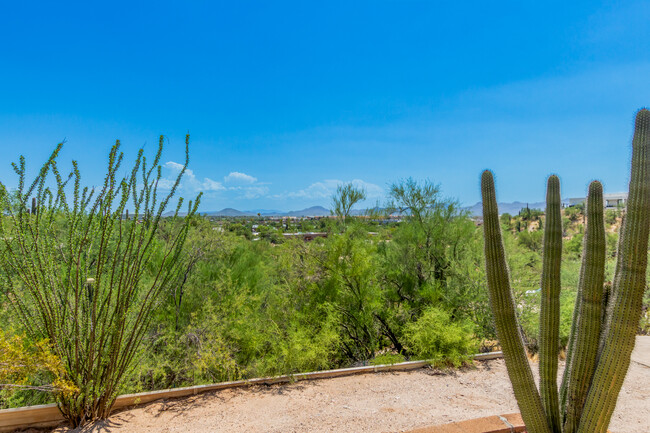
381 402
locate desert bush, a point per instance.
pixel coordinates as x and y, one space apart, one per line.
574 245
574 213
84 277
29 367
528 315
196 355
437 337
531 240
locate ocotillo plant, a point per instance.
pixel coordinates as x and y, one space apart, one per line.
598 355
84 278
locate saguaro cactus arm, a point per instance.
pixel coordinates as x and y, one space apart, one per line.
503 308
627 290
550 310
587 328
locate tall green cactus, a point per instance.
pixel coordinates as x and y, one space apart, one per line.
503 308
629 284
586 329
599 353
549 343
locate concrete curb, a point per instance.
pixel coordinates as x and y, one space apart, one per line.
509 423
48 415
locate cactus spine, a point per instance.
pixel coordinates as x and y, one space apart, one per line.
598 354
550 309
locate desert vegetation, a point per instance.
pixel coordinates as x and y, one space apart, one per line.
117 296
605 318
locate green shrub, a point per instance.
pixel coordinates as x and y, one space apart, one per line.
388 358
528 315
610 216
574 213
531 240
574 245
198 355
435 336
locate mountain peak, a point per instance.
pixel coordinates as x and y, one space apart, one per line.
308 212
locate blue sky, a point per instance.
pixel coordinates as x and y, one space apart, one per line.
284 100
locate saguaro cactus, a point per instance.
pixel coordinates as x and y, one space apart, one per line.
599 353
586 329
550 309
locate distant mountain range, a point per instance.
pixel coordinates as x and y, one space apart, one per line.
309 212
314 211
511 208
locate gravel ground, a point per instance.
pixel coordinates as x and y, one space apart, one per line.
380 402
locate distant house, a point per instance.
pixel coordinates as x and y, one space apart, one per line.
615 200
610 200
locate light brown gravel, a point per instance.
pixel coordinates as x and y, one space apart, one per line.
380 402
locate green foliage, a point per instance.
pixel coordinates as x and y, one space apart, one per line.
253 296
235 308
611 216
574 213
83 277
574 245
531 240
302 306
528 317
346 196
21 362
438 338
528 214
197 355
387 359
612 244
350 284
433 258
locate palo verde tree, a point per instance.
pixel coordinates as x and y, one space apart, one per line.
605 321
346 196
431 259
85 277
435 236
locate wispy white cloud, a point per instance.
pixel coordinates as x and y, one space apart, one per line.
326 188
176 167
189 181
246 185
236 184
238 178
251 192
211 185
